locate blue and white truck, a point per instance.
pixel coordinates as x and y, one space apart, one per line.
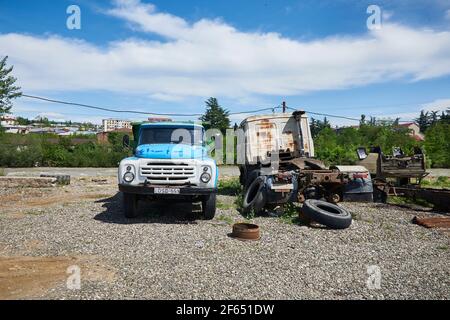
170 162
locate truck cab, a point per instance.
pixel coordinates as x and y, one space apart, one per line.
170 162
280 166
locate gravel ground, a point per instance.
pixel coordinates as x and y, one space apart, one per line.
168 254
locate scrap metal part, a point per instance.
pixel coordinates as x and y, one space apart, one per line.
245 231
433 222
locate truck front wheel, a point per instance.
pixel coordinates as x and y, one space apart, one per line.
209 206
130 205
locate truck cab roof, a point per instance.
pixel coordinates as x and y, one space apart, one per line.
171 125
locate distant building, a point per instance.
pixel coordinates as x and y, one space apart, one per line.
7 120
154 120
115 124
16 129
414 130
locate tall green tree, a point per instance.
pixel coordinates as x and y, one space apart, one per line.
422 121
363 120
445 117
215 116
8 91
437 145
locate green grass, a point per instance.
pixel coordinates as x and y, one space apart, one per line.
33 212
290 214
407 201
225 206
443 247
2 172
230 187
441 182
225 218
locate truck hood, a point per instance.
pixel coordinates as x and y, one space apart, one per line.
170 151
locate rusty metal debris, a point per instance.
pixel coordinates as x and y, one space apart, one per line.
245 231
433 222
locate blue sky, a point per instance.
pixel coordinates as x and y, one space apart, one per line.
170 56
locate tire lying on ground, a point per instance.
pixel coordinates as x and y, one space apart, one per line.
327 214
255 196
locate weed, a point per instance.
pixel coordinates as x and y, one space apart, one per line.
290 213
230 187
225 218
224 206
441 182
2 172
408 201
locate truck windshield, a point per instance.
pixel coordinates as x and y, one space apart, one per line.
189 136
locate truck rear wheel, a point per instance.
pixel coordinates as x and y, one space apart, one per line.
251 176
209 206
130 205
255 196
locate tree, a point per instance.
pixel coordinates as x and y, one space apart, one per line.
8 91
434 118
445 117
437 144
23 121
317 126
215 116
363 120
422 121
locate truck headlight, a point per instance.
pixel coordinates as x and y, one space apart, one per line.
205 177
128 177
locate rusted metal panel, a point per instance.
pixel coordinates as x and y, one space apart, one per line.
433 222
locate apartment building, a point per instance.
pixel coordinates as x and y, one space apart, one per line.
115 124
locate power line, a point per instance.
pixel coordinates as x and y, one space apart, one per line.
108 109
134 111
337 116
181 114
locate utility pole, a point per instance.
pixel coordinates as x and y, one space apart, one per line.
284 106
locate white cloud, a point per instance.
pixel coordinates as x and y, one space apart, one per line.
212 58
387 15
436 105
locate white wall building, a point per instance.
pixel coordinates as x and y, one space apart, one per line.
7 120
114 124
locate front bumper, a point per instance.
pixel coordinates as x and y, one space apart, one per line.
149 190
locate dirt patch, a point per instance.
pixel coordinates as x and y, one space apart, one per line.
29 277
21 201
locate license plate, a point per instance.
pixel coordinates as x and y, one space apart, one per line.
167 191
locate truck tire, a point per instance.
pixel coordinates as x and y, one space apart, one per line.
255 196
209 207
130 205
327 214
252 175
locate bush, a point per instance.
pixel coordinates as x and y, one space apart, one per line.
437 145
339 147
53 151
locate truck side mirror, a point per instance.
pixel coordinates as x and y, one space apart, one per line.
126 141
362 154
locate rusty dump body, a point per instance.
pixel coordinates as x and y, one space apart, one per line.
280 148
400 175
398 166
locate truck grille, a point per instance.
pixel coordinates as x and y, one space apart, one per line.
167 172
